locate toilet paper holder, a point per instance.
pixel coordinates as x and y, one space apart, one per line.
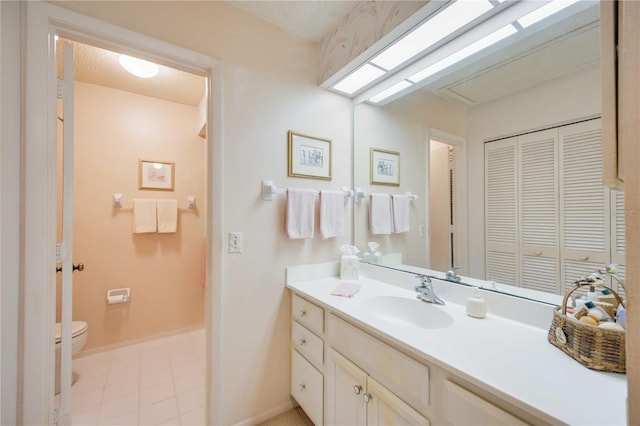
118 295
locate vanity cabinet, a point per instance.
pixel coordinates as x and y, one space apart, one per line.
307 357
355 398
345 375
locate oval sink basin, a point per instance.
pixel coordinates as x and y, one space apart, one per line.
409 312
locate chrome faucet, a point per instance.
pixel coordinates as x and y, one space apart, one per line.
425 291
451 275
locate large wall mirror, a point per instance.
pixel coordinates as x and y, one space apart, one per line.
503 151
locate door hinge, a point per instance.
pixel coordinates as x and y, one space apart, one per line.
65 89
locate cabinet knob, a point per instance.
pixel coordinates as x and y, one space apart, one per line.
302 387
302 341
367 398
303 313
357 389
538 253
585 258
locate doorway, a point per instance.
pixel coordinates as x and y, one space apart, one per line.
146 348
46 22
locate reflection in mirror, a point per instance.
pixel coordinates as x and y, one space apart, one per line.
509 187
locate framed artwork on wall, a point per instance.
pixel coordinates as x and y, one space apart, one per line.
385 167
309 156
156 175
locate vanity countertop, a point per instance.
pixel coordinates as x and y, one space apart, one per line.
508 358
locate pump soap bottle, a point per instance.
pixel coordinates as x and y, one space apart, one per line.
476 305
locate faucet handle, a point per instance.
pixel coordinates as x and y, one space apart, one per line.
424 280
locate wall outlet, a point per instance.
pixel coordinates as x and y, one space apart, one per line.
235 242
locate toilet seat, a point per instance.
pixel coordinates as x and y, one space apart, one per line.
77 328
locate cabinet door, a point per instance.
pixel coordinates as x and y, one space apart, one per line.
501 211
463 408
307 387
384 408
538 203
346 387
584 210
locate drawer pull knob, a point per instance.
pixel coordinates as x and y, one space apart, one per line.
303 313
302 387
357 389
367 398
585 258
302 341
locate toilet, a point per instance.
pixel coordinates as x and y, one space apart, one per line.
78 340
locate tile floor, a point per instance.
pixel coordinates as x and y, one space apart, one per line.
160 382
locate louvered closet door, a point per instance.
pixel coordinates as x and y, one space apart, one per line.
538 201
617 236
584 209
501 211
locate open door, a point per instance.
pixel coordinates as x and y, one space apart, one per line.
64 250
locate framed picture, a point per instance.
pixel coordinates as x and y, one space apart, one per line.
309 156
156 175
385 167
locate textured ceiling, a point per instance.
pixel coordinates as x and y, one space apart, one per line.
101 67
310 19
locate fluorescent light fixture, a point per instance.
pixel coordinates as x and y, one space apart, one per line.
465 52
358 79
390 91
544 12
138 67
432 31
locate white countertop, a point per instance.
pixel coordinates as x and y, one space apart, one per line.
510 359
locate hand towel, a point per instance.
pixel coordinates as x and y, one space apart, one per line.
301 210
167 216
331 214
400 213
144 216
380 214
346 289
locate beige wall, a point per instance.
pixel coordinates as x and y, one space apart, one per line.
562 100
113 129
270 86
401 126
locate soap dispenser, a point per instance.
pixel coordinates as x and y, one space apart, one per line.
476 305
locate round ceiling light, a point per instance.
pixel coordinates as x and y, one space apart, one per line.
138 67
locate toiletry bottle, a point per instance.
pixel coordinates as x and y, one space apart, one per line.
476 305
592 295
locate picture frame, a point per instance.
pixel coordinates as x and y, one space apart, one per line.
309 156
385 167
156 175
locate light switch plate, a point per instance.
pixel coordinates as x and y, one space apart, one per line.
235 242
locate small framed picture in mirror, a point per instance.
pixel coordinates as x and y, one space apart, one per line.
309 156
156 175
385 167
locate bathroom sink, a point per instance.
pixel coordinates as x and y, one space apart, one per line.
409 312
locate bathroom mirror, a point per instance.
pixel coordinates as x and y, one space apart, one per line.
543 78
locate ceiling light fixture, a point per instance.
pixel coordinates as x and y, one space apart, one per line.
390 91
139 67
479 45
358 79
431 32
544 12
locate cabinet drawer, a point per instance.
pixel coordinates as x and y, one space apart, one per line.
307 343
307 314
461 407
400 374
307 387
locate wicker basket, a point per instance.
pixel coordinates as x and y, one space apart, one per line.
594 347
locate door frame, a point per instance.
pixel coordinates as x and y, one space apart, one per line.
38 257
460 217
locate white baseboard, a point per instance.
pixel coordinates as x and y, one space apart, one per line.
269 414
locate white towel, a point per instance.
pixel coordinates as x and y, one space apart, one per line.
167 216
331 214
380 214
144 216
301 211
400 213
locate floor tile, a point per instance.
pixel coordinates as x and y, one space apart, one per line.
159 412
118 407
191 400
151 395
193 418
